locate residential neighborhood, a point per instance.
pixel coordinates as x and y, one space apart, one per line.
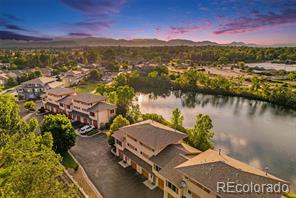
158 153
85 108
147 99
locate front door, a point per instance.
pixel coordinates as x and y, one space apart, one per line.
144 173
160 183
134 165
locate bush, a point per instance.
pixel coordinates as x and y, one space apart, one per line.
30 105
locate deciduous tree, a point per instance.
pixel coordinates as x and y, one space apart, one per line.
200 135
62 131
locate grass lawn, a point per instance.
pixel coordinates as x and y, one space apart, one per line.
68 161
86 87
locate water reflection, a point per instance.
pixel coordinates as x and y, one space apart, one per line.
255 132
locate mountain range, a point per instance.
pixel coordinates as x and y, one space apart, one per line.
8 40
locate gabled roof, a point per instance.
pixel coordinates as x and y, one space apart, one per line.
101 106
66 100
55 84
89 98
151 133
212 156
40 80
172 156
61 91
210 167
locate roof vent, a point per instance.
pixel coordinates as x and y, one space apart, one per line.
183 184
219 151
266 170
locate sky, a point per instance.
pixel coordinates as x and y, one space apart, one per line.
222 21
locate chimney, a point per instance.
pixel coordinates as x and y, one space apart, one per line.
266 170
219 151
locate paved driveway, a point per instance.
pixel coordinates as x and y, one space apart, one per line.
102 167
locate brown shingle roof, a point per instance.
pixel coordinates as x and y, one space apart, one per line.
210 167
138 160
89 98
152 134
66 100
40 80
101 106
172 156
55 84
61 91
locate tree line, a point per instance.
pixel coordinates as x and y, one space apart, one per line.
114 57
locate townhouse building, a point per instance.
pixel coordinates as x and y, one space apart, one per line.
86 108
181 171
33 89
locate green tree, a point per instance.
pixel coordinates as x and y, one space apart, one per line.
62 131
30 105
9 117
292 76
95 75
117 123
121 79
30 168
155 117
153 74
11 82
255 84
125 94
200 135
133 113
177 118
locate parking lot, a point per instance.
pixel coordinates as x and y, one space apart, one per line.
102 167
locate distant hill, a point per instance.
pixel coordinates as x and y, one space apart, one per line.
21 41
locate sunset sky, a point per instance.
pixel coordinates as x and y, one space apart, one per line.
223 21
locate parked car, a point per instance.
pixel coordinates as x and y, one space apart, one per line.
90 128
85 129
82 129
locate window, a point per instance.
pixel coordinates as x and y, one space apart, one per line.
92 114
112 111
147 147
144 154
132 147
172 186
157 168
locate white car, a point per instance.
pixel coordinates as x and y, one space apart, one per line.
86 129
82 129
90 128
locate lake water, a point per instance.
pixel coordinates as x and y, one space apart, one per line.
276 66
254 132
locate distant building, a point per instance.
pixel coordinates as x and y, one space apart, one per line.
33 89
3 79
158 153
73 77
47 72
85 108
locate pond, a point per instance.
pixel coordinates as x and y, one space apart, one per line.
255 132
276 66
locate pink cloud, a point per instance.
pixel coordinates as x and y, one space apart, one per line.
257 21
